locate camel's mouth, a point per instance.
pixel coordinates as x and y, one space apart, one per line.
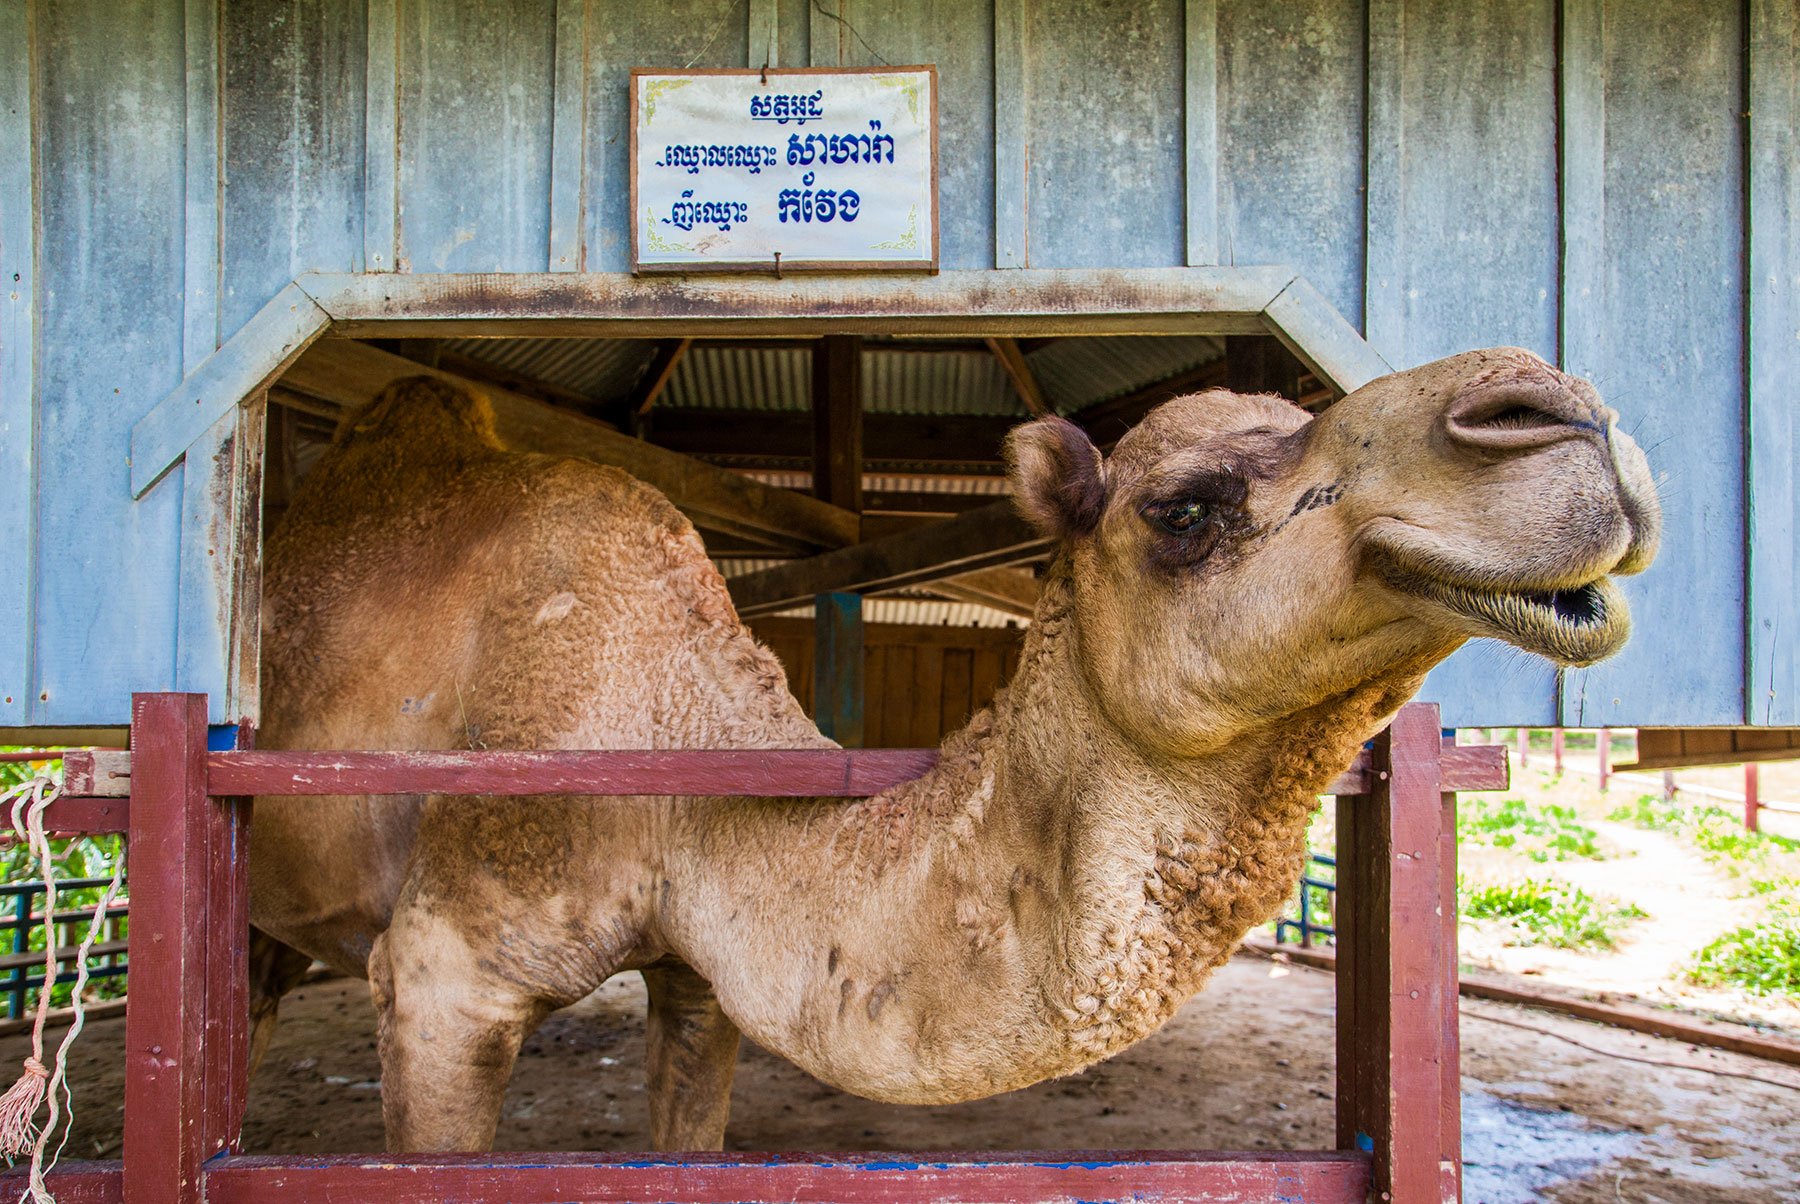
1577 625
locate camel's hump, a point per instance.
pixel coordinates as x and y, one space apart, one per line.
425 411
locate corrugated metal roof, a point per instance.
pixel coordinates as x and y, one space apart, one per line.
1079 372
884 482
923 612
603 369
1073 372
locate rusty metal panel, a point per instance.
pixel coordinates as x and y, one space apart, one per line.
18 352
1773 438
623 34
475 133
1476 225
1675 354
1105 94
1290 134
957 36
293 146
112 264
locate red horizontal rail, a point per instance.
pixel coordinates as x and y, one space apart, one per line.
811 772
1028 1178
823 1179
767 773
72 815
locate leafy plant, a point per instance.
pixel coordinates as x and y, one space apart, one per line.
1764 959
1548 913
1544 832
72 858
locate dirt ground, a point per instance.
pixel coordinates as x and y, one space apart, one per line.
1687 901
1552 1110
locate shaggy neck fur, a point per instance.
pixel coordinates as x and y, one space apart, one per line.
1155 868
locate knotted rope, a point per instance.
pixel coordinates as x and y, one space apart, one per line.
20 1104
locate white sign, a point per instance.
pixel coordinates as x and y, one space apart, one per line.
817 170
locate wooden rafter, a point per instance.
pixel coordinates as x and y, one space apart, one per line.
1024 382
650 386
990 537
1014 591
349 373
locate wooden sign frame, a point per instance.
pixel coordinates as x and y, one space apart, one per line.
780 266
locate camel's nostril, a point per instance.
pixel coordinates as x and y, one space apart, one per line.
1518 418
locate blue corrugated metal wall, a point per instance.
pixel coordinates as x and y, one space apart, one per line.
1577 178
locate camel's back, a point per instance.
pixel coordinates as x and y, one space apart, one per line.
449 592
429 589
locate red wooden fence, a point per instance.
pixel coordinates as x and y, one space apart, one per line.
187 1024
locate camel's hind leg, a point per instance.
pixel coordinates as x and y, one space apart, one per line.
692 1054
450 1031
275 969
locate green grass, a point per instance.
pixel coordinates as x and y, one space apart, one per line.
1548 913
1541 832
1764 959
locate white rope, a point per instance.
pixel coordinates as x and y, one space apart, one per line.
18 1108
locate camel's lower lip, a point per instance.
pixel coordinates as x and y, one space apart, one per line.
1573 626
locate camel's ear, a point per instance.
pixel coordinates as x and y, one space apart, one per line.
1056 476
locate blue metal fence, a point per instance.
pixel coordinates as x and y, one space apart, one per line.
1305 925
22 970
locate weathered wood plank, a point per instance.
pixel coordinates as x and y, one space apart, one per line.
1012 163
349 373
476 118
763 42
1018 371
1582 163
568 136
18 345
980 539
1083 301
824 47
247 363
381 140
1014 591
111 264
927 707
295 84
202 199
1308 326
106 773
1104 155
1200 129
1772 641
1290 131
1675 249
656 376
1384 139
1030 1178
219 628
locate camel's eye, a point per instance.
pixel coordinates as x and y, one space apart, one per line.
1181 517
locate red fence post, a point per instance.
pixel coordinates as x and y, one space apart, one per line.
185 1032
1556 748
1752 797
1399 1090
1603 744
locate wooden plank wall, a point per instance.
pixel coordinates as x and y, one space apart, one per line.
1575 176
920 683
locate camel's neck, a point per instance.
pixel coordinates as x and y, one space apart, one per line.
1153 869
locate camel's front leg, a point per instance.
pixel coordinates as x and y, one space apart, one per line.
450 1032
692 1054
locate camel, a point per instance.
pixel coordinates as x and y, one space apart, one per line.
1241 594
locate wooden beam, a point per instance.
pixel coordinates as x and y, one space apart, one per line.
837 420
350 373
959 439
990 537
518 382
1260 364
1024 383
1107 421
1014 591
661 370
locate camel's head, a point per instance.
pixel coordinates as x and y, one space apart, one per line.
1235 560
